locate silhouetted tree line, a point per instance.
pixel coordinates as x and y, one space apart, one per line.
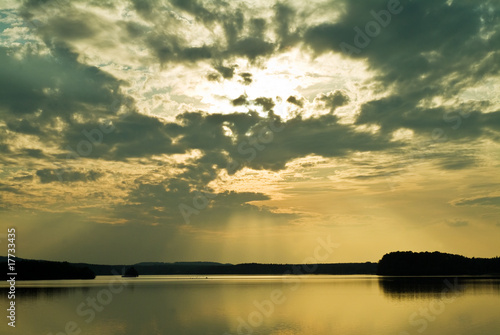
46 270
408 263
34 269
257 269
393 264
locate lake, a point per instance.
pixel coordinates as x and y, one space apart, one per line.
279 305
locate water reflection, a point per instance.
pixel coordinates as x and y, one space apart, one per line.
435 287
312 305
43 292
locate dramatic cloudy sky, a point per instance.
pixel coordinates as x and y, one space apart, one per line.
239 131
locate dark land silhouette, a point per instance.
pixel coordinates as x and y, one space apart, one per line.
397 263
46 270
408 263
32 269
131 272
256 268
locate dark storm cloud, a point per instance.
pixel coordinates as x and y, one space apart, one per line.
4 148
50 176
9 189
457 160
427 49
322 136
23 177
258 142
166 35
198 10
144 7
285 18
175 201
424 49
227 72
168 47
252 47
240 101
52 98
68 28
294 100
465 121
266 103
213 76
129 135
24 126
35 90
425 39
333 100
45 90
35 153
243 36
268 142
247 78
407 62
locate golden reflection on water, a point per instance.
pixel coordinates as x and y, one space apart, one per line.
226 305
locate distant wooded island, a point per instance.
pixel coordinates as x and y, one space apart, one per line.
409 263
392 264
27 269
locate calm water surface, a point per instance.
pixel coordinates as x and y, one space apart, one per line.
323 305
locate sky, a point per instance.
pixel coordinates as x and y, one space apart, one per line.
249 131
